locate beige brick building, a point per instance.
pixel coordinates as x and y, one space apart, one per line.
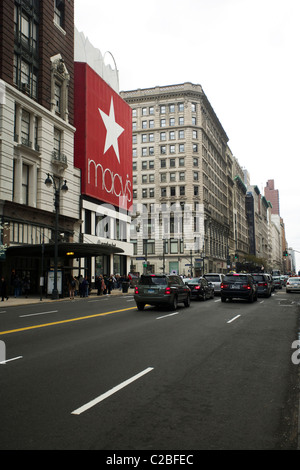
183 183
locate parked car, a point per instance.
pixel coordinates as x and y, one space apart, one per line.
293 284
241 286
161 289
200 288
277 282
216 279
264 285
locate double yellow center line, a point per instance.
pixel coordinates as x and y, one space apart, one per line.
8 332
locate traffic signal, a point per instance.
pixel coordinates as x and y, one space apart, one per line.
285 253
236 256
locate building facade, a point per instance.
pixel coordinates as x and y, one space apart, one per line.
36 134
182 219
103 147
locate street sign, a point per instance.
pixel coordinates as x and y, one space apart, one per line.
140 258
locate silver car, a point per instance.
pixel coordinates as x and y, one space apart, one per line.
293 284
216 279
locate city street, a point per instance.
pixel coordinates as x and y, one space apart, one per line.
96 373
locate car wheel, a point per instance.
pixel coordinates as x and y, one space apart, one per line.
212 295
223 299
204 297
187 301
140 306
174 303
251 299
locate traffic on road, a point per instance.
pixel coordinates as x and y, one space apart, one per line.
99 373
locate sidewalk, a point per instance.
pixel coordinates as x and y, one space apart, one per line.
35 299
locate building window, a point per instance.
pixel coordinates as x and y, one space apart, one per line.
26 61
25 184
59 13
25 128
57 97
57 141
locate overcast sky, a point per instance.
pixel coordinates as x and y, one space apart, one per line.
244 53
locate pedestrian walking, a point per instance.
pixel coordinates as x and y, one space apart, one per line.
3 289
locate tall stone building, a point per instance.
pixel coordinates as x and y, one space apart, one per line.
182 169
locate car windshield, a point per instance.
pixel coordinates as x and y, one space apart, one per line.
153 280
212 278
294 280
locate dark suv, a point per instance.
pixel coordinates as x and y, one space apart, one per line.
264 285
161 289
240 286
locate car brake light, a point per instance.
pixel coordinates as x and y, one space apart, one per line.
224 286
168 290
136 290
247 286
197 287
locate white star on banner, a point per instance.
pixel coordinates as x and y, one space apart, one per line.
113 130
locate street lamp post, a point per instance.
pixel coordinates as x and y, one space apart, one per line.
64 188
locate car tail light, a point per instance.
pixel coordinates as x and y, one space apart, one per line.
168 290
224 286
287 283
264 284
247 286
136 290
197 287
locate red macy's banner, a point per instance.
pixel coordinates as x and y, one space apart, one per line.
103 139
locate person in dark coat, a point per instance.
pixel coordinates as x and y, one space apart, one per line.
3 289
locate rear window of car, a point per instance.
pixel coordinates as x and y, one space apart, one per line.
236 278
212 278
259 278
153 280
194 281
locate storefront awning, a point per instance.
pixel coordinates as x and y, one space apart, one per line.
70 250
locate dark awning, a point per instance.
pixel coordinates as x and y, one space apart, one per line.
72 250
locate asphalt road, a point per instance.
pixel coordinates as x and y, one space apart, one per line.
98 374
